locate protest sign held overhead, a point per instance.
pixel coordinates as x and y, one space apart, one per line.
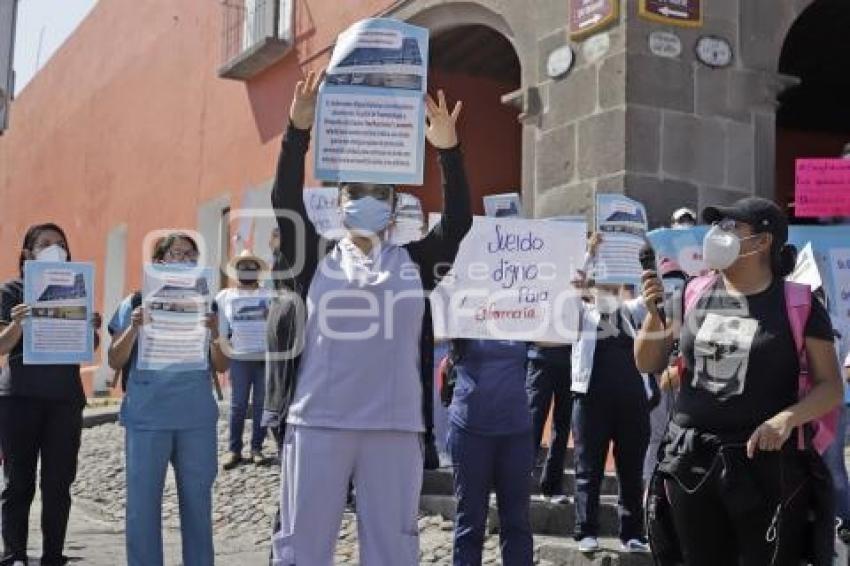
511 281
370 122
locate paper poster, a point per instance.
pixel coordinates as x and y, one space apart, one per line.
409 220
370 123
622 223
248 324
61 297
176 301
840 267
503 205
510 281
679 249
568 218
822 188
322 206
806 271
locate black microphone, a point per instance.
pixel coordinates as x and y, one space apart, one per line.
647 262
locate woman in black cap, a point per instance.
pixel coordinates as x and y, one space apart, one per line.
739 473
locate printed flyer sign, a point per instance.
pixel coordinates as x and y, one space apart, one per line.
248 324
370 123
61 297
622 224
176 301
679 249
503 205
510 281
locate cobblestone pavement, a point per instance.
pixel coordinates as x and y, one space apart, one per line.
244 504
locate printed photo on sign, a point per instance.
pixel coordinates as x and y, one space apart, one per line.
510 281
176 301
61 296
371 110
506 205
409 221
721 354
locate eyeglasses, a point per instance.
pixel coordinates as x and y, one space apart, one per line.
727 224
181 255
380 192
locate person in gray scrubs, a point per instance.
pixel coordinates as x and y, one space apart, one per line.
352 399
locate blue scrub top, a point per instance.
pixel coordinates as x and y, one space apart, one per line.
489 396
161 399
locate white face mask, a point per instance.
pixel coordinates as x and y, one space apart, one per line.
720 248
55 253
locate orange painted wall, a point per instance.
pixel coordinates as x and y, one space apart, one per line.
128 123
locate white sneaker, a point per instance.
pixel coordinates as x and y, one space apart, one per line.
588 545
559 499
636 546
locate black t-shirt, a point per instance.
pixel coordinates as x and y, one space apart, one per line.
741 358
54 382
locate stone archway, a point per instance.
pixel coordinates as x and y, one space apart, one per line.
474 59
813 118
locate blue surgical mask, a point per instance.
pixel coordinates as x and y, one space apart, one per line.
366 214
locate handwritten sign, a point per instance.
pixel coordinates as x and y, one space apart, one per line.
590 16
510 281
685 13
322 206
822 187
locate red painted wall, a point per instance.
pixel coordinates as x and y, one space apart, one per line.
490 135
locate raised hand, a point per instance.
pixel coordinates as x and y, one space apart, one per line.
20 312
137 317
441 129
211 322
302 112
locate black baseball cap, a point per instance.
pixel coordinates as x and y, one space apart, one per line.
762 214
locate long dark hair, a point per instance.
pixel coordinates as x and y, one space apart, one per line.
164 244
32 235
783 259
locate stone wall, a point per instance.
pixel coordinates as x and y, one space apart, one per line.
669 132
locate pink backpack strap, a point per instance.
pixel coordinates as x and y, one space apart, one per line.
696 288
798 304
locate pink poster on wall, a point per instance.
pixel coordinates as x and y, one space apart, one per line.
822 188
